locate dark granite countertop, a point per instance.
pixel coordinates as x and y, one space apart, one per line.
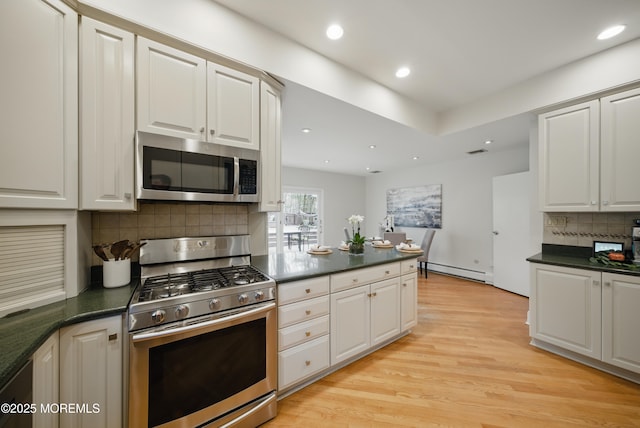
287 267
575 257
23 333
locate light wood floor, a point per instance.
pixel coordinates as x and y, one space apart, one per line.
468 363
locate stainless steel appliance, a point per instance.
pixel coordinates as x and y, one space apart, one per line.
170 168
202 336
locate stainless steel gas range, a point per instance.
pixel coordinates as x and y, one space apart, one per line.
202 336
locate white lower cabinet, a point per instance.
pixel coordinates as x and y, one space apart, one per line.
303 361
46 370
587 312
408 301
91 373
363 317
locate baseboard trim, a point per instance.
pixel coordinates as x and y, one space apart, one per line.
475 275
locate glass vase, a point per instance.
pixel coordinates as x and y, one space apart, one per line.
356 248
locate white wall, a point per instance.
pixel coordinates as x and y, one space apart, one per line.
343 195
465 240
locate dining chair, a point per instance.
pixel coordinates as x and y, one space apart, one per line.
395 237
426 246
303 236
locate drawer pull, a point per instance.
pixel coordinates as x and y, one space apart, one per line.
308 312
386 272
308 290
354 280
307 363
411 266
404 284
307 333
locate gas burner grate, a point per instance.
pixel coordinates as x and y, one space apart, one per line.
242 275
206 280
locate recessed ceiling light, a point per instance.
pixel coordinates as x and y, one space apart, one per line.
611 32
488 141
372 146
334 32
326 161
403 72
306 130
416 157
368 168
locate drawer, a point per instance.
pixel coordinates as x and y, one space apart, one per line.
302 361
408 266
302 311
302 332
300 290
356 277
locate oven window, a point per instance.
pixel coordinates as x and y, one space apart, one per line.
191 374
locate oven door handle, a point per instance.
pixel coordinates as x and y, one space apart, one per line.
140 337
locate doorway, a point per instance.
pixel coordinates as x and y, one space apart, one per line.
299 224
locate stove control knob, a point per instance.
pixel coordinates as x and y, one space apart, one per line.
259 295
243 298
158 316
182 311
214 304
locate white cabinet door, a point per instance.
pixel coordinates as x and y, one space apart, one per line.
46 369
39 120
91 372
620 321
106 117
620 151
565 308
569 158
270 148
171 87
408 301
385 310
233 107
350 327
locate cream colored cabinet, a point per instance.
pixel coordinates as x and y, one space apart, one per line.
303 330
46 382
409 294
587 312
363 317
185 96
39 121
620 321
233 107
588 155
171 91
569 158
91 372
270 148
565 308
107 115
620 151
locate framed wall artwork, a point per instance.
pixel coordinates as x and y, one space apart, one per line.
419 206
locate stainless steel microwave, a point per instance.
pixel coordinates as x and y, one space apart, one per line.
177 169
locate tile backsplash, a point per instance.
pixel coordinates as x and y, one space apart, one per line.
168 220
582 229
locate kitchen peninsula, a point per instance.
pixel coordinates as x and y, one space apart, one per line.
333 309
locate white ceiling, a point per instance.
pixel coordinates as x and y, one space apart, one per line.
458 50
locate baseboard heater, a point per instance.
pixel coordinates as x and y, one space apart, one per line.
475 275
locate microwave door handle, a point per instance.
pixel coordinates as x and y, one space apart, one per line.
236 177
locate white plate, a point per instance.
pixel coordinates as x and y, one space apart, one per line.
319 252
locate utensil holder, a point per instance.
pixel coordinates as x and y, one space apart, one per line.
116 273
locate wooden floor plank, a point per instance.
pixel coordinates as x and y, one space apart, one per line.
468 363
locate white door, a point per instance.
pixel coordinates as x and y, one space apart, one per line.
300 207
511 233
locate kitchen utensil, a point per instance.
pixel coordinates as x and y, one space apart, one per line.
100 252
131 250
118 247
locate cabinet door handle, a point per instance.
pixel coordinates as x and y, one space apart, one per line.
127 195
113 336
202 130
307 333
404 284
212 132
605 202
596 282
307 363
369 295
308 312
607 284
308 290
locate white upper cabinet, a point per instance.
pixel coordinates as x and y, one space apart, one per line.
233 107
569 158
620 152
588 155
270 148
106 117
171 91
185 96
39 121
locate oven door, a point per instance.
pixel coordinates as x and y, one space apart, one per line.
191 372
